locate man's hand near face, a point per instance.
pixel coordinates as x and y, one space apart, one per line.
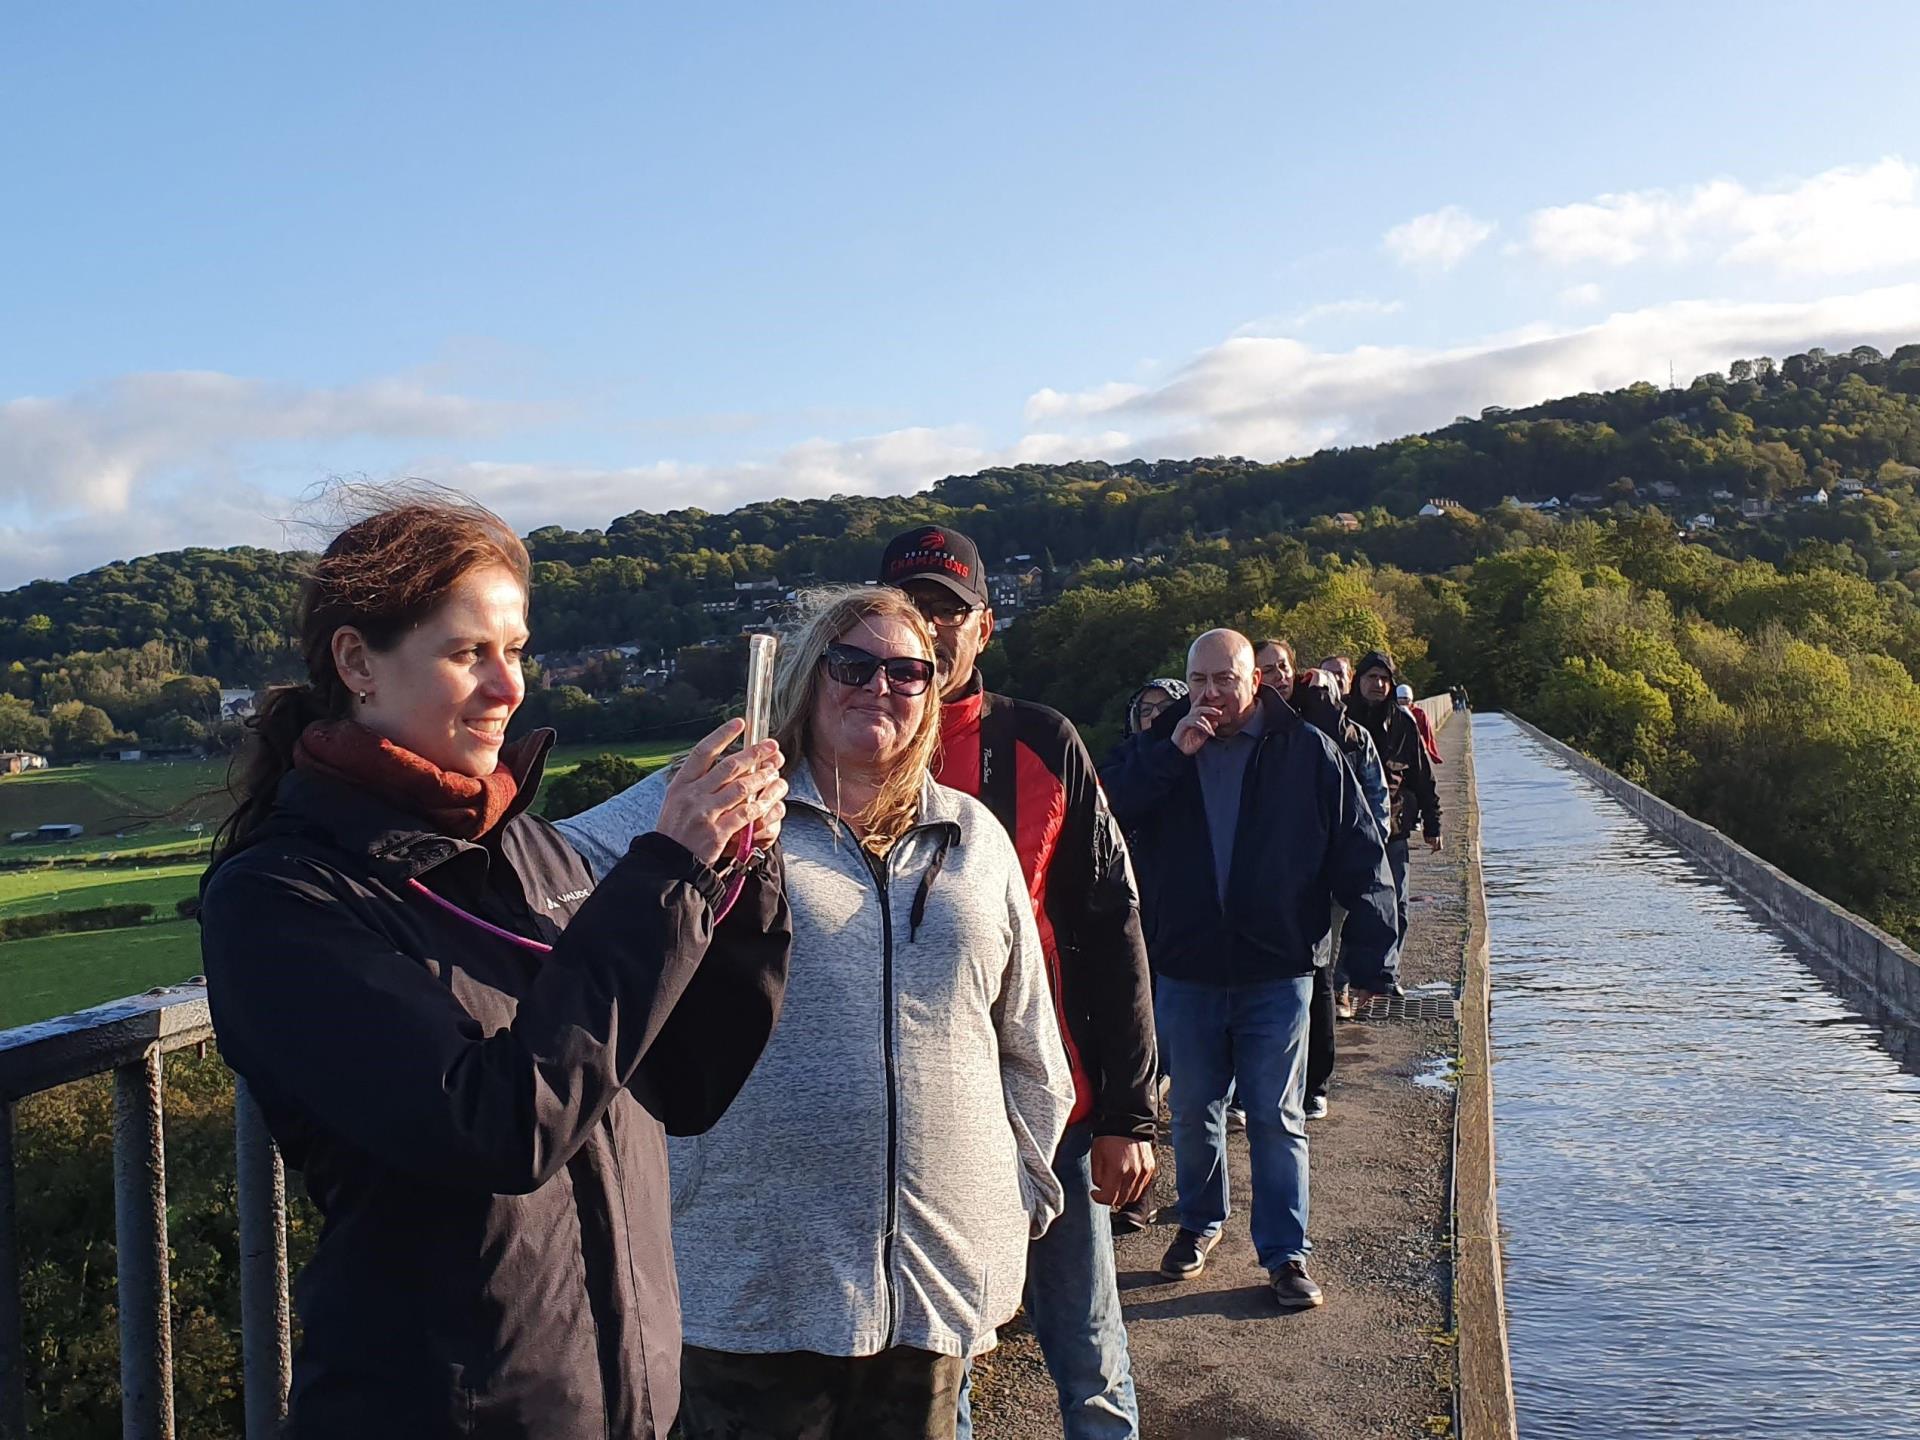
1196 728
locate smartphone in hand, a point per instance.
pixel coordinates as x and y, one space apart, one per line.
760 653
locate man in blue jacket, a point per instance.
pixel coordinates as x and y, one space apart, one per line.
1249 826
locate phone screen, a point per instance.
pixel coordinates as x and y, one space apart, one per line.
760 652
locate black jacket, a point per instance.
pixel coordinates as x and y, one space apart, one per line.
1411 790
1304 838
1030 767
482 1126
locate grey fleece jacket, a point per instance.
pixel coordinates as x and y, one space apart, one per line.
877 1180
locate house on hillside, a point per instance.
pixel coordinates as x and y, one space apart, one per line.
1723 495
1015 585
1754 507
1346 520
1817 497
1664 490
1850 487
1702 521
1587 499
1442 506
127 756
15 762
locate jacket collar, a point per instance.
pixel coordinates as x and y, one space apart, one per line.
938 804
398 845
961 715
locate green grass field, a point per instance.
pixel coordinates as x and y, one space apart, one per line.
51 976
152 804
564 759
76 887
43 978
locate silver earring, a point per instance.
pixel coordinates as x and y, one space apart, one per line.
364 697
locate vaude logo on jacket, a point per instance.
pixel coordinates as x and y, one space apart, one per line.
556 901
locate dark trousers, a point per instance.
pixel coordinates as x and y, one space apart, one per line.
899 1394
1320 1046
1397 863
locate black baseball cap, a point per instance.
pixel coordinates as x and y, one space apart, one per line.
937 554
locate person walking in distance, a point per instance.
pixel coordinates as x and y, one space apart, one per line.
1248 817
1316 696
1340 669
1029 766
1403 698
1412 795
1149 700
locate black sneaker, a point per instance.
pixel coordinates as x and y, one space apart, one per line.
1186 1257
1316 1107
1293 1287
1132 1219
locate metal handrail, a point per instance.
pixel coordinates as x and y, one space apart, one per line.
129 1038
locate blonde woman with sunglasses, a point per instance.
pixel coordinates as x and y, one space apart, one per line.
856 1227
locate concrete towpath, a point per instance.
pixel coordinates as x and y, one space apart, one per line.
1214 1358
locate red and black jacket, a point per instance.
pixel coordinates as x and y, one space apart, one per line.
1029 766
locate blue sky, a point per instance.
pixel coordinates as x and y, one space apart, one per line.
585 259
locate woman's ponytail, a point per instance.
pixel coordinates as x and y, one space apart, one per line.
274 730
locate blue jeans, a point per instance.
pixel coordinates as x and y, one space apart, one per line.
1252 1039
1397 862
1073 1304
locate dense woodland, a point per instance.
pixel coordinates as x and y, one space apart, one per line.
1761 674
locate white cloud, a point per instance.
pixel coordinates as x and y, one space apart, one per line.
1048 404
93 450
1270 398
1280 325
1438 240
1843 221
1582 297
896 462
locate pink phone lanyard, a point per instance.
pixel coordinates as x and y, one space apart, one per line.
487 925
735 884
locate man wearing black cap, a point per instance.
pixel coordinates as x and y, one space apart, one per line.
1411 794
1028 765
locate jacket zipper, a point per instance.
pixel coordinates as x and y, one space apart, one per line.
879 870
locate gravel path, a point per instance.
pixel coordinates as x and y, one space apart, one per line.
1214 1359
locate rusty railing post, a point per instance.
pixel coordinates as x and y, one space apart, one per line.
140 1230
265 1330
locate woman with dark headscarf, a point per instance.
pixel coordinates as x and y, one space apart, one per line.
1149 700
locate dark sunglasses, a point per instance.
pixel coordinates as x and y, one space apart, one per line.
906 674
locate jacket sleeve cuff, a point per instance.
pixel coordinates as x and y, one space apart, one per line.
670 858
